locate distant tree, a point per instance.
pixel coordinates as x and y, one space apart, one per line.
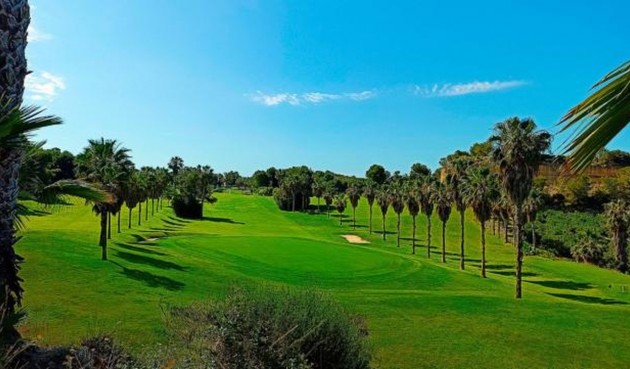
354 195
480 189
272 173
231 178
413 207
425 199
328 196
318 191
418 171
175 165
383 200
531 206
340 205
617 215
456 173
397 200
377 174
131 191
443 202
518 149
369 191
260 178
588 250
481 149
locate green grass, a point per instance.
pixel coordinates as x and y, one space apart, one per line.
421 313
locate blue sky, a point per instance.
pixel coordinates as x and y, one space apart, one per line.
339 85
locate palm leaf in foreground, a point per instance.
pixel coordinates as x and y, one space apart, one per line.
597 119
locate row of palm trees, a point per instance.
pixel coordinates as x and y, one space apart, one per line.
496 186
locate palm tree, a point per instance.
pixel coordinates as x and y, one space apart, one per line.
599 118
340 205
131 193
104 163
443 202
480 190
176 164
532 204
370 194
328 199
354 195
618 217
397 200
383 200
318 191
456 173
517 150
425 198
413 207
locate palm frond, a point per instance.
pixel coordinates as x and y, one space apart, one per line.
19 122
597 119
87 191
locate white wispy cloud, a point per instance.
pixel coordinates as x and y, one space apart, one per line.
37 35
308 97
43 86
458 89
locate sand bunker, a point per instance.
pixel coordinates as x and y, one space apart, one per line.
149 240
354 239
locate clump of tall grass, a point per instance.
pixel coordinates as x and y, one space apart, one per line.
268 328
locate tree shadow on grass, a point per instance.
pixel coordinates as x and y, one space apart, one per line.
35 212
141 259
588 299
221 220
151 279
564 285
179 220
174 224
129 247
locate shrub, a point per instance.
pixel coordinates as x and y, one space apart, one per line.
265 191
269 328
559 230
588 250
187 207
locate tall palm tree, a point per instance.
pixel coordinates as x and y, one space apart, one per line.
425 198
131 194
104 163
340 205
480 190
354 195
443 202
599 118
413 207
456 173
328 196
383 200
176 164
370 194
517 150
397 200
618 218
531 206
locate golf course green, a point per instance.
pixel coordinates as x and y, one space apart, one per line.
420 312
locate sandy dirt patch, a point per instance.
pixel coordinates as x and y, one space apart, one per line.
354 239
150 240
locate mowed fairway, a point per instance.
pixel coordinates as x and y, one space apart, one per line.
421 313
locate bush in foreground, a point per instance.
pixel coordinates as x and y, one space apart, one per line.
268 328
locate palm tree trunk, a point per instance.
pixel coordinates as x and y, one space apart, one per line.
483 249
428 236
318 211
153 206
340 221
146 210
506 225
293 202
518 242
443 241
398 230
13 40
103 238
620 241
384 237
130 214
140 213
532 222
462 265
109 225
10 161
413 236
119 211
354 218
370 219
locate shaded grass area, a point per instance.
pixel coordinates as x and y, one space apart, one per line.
421 313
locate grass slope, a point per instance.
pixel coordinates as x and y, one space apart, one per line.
421 313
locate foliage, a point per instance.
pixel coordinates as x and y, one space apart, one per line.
269 328
377 174
599 118
561 230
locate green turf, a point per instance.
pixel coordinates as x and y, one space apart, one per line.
421 313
